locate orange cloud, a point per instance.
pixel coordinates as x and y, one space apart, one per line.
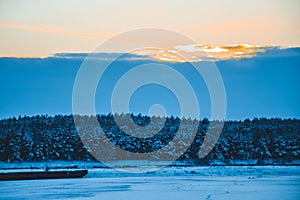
236 51
200 52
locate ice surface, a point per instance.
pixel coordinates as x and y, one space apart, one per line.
270 182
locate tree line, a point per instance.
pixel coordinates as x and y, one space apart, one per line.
49 138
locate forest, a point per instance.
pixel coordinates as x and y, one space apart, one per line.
51 138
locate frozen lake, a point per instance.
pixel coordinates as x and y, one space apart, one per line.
174 183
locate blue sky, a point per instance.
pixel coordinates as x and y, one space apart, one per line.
266 85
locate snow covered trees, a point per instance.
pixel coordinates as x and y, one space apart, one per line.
45 138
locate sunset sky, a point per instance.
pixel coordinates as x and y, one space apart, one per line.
42 28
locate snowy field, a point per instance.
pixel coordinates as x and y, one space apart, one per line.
232 182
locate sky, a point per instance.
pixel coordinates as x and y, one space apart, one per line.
254 45
42 28
266 85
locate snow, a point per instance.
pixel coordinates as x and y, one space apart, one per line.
215 182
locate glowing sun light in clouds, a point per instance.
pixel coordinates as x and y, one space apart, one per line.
201 52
